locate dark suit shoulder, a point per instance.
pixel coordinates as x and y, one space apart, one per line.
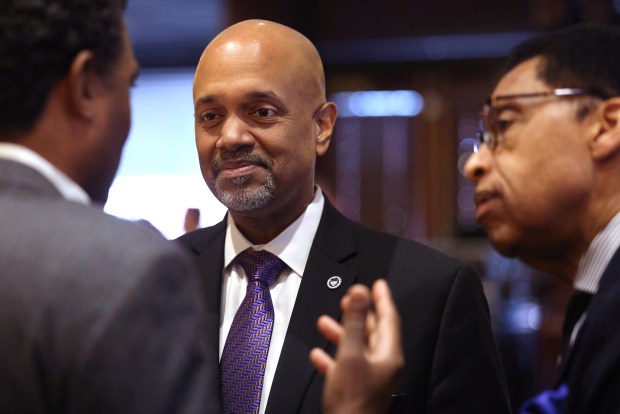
334 223
377 251
368 237
198 240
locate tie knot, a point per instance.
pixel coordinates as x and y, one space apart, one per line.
260 265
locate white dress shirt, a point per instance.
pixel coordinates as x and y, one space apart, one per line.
292 246
593 263
65 185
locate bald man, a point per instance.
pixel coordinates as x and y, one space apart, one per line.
261 119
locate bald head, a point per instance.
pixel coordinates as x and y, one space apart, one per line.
261 119
264 45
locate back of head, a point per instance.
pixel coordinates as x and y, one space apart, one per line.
581 56
40 38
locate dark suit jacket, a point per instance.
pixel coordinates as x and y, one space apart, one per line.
97 315
592 369
452 364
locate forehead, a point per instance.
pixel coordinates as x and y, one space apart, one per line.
247 66
523 78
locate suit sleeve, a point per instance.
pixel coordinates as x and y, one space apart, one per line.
467 375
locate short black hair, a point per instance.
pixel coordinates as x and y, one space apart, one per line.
38 41
585 55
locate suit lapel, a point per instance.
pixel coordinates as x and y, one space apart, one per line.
594 356
607 293
210 262
332 246
567 355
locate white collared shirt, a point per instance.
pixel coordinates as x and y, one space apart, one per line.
292 246
65 185
593 263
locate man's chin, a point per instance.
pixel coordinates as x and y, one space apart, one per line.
504 244
505 250
245 199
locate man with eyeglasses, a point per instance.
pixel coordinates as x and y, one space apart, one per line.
547 176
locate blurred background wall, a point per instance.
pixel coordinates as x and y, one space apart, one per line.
409 77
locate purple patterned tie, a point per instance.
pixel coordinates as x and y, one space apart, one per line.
245 353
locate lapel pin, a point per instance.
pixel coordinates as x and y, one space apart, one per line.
334 282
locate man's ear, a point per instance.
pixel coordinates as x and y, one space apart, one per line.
84 85
325 119
606 141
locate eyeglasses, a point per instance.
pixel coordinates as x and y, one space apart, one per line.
490 133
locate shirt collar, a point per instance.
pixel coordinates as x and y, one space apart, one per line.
594 262
292 246
67 187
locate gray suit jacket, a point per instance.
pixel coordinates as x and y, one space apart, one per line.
452 363
97 315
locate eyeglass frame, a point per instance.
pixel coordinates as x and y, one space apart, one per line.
484 136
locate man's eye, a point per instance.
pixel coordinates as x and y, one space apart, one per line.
265 112
207 116
504 124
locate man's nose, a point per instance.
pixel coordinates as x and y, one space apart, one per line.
234 134
478 164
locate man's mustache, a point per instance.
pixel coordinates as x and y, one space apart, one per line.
238 156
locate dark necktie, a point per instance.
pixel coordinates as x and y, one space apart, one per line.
576 307
242 366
